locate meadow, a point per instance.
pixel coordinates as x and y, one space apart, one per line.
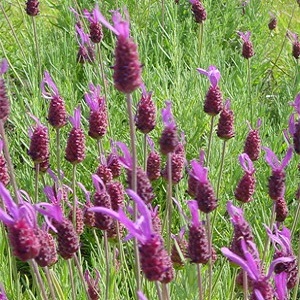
171 46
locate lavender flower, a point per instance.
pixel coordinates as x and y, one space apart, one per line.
57 115
144 187
98 120
86 51
75 150
2 293
198 11
127 68
32 7
113 162
293 37
273 21
253 142
246 186
261 286
225 128
294 126
213 98
154 259
96 34
169 138
4 175
4 102
247 51
88 216
153 162
93 284
179 251
145 118
21 225
281 240
277 179
103 171
205 195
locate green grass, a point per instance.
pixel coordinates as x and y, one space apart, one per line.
170 56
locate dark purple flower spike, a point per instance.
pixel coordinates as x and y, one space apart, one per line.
198 11
169 137
93 284
246 186
225 128
96 33
144 187
179 251
205 195
75 150
98 120
32 7
247 51
155 262
21 225
88 216
4 102
57 115
127 68
153 162
253 142
294 38
273 21
277 179
86 51
294 126
145 118
4 175
213 99
198 249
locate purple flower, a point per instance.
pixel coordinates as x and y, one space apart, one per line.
247 51
93 288
86 52
294 38
2 293
3 66
245 36
212 73
273 161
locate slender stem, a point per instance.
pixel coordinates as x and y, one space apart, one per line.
169 201
267 242
74 194
134 184
210 139
107 265
12 31
233 284
199 281
165 291
78 266
200 41
8 160
58 146
100 148
245 285
210 270
249 90
48 276
296 219
40 282
145 152
36 182
38 58
296 288
105 86
221 168
162 13
159 295
72 279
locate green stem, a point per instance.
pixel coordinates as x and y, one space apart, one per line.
38 58
9 161
249 90
221 168
134 184
74 194
48 276
107 265
159 295
40 282
145 152
78 266
200 40
233 284
70 267
199 277
296 218
169 201
165 291
162 13
58 146
36 182
210 139
210 270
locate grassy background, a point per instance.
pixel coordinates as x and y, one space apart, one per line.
169 53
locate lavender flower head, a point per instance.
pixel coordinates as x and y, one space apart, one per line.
144 187
127 68
98 120
198 11
86 51
225 128
21 224
213 99
154 259
153 162
294 38
4 175
246 186
32 7
205 195
253 142
247 51
294 126
2 293
169 138
93 288
262 288
96 34
277 179
75 150
57 115
4 102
